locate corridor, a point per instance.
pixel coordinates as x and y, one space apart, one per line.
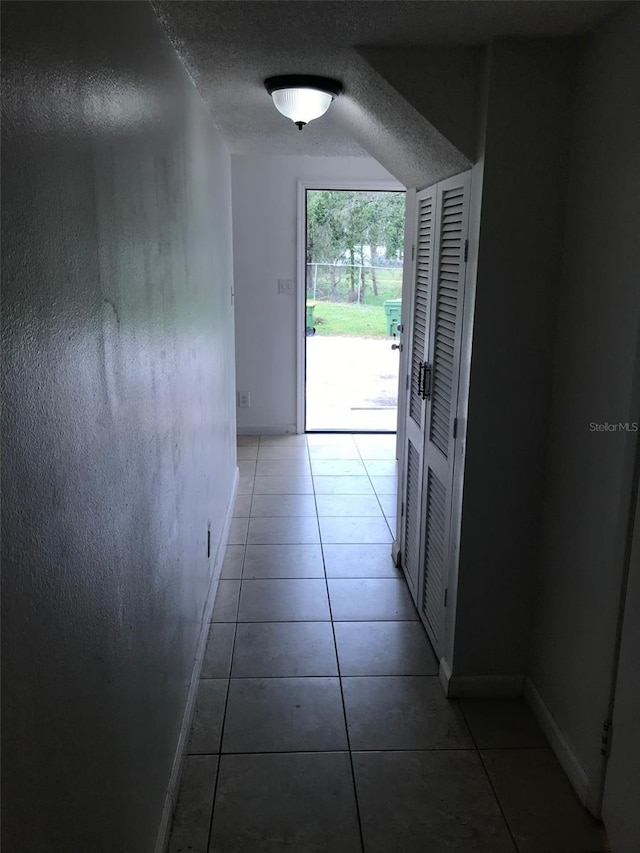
320 723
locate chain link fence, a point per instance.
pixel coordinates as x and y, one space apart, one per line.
359 284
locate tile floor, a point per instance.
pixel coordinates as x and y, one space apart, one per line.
320 724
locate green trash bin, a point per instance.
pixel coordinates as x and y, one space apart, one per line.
393 312
310 307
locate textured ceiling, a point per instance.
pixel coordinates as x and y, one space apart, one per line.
229 48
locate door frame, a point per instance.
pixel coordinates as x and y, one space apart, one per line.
305 184
408 276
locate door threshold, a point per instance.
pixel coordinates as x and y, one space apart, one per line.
350 431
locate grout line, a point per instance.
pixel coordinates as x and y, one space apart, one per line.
315 503
219 753
298 621
226 700
488 777
337 675
344 709
319 621
346 726
322 751
215 791
250 508
321 577
335 649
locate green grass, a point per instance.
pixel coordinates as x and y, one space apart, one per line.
359 321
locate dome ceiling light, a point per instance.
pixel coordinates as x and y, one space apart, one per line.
302 97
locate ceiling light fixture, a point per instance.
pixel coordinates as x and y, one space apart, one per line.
302 97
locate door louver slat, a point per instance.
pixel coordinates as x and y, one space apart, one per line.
421 304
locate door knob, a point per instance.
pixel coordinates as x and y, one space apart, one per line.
396 346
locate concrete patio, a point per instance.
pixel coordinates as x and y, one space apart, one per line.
352 384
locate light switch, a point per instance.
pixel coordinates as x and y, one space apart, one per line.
285 285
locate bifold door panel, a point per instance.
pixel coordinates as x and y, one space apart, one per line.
418 342
440 252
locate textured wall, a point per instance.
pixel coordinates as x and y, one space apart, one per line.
230 47
444 84
264 243
118 420
588 483
392 129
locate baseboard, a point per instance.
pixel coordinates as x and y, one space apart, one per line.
162 839
284 429
557 741
479 686
444 672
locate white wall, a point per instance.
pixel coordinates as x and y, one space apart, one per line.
264 246
588 482
118 424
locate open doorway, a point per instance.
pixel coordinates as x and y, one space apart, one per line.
354 243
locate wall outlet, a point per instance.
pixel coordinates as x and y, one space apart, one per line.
244 399
285 285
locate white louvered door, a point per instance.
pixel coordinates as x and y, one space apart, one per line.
443 348
416 407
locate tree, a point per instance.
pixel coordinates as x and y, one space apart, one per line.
340 224
325 231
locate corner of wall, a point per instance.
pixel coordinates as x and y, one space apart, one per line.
479 686
557 740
